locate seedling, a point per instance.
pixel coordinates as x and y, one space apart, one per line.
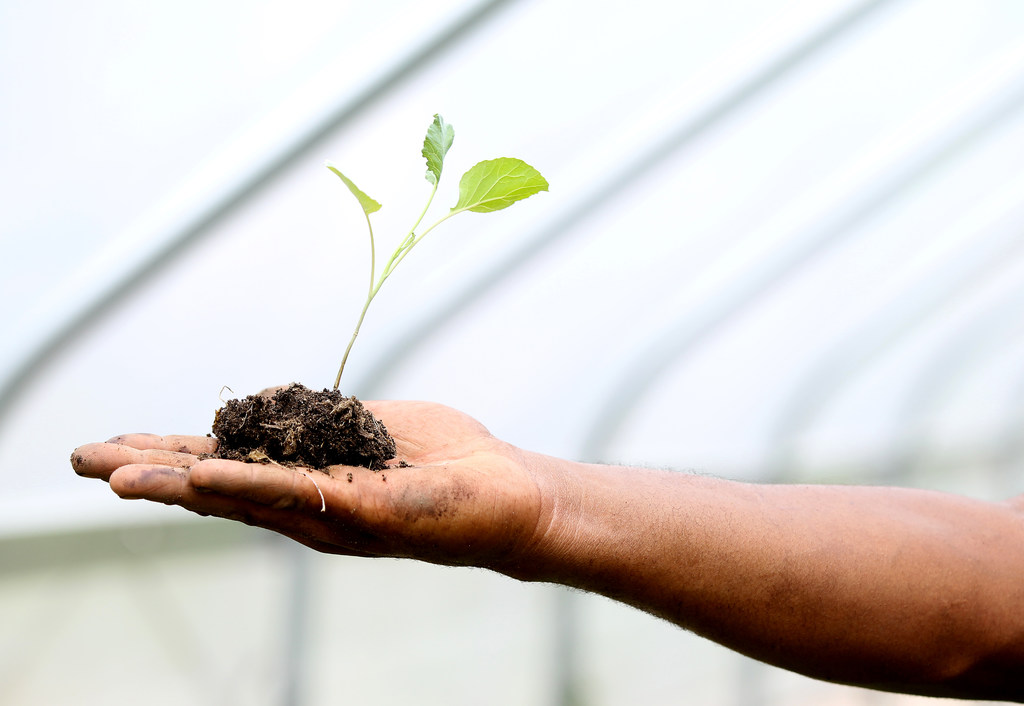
490 185
301 427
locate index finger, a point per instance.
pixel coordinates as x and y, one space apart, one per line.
174 442
100 460
270 485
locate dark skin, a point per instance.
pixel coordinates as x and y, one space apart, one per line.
894 589
425 511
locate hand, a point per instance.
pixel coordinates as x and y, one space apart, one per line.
465 497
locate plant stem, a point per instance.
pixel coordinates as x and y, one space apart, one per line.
369 298
407 244
373 255
401 253
419 220
348 349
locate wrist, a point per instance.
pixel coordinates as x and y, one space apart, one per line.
542 553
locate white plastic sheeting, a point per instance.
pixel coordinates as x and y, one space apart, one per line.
781 242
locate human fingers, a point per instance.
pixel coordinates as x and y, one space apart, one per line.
148 481
173 442
175 486
99 460
267 484
382 513
349 507
172 485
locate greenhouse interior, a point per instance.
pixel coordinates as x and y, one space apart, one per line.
781 243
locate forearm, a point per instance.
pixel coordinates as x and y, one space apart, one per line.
899 589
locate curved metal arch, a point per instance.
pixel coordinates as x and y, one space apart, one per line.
880 190
37 358
1011 439
964 352
861 347
568 688
648 159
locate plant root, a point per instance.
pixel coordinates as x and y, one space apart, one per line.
323 500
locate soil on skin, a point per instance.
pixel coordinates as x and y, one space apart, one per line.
300 427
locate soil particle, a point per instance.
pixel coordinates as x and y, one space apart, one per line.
300 427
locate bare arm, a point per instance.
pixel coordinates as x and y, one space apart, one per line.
894 589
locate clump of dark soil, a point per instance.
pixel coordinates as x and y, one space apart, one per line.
297 426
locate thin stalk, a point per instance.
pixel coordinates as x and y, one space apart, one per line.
348 349
393 263
373 255
369 298
412 231
407 244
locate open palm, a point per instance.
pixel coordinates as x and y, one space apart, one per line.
454 494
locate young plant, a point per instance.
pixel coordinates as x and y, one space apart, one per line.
490 185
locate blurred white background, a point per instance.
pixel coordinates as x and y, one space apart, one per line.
782 242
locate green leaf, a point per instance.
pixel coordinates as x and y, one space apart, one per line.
496 184
439 139
368 204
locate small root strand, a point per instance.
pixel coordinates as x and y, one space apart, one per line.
323 500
